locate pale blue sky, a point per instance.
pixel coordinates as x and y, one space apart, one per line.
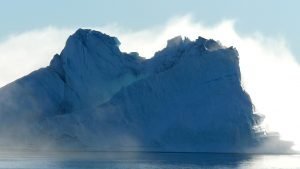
270 17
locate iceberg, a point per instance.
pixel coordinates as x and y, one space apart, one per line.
186 98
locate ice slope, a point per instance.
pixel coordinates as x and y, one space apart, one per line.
93 68
187 97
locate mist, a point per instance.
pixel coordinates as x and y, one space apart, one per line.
270 72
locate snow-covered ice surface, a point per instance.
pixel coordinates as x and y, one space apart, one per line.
187 98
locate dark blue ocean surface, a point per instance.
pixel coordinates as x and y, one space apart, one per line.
131 160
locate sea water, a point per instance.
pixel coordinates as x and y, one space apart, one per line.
133 160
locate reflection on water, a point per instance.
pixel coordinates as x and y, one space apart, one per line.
131 160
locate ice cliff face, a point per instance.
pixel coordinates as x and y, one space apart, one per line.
92 96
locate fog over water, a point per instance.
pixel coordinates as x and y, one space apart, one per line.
131 160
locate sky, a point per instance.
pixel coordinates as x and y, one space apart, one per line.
272 18
264 32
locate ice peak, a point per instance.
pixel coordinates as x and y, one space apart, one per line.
176 41
82 33
90 38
